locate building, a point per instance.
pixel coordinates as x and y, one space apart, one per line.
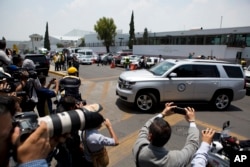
224 43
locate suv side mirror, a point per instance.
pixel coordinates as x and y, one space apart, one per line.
172 74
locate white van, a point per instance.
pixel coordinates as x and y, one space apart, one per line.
85 52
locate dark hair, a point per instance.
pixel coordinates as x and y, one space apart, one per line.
66 103
7 104
161 132
2 43
17 59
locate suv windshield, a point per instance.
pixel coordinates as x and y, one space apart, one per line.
161 68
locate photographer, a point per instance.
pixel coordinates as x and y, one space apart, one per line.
29 83
44 105
149 150
5 60
30 153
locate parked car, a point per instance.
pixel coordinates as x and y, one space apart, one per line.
85 59
118 57
151 61
107 58
134 59
186 80
247 75
41 62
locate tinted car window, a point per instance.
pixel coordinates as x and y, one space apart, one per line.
233 72
206 71
185 71
36 58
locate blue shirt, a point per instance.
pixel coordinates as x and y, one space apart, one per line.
200 158
44 105
35 163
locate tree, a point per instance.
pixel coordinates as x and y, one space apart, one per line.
82 44
131 32
59 45
145 36
46 38
106 31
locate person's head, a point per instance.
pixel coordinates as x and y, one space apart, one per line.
17 60
72 71
160 56
159 132
28 64
3 43
67 103
7 110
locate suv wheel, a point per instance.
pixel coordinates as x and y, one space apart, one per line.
145 101
221 101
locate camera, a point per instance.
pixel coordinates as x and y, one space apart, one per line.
179 110
60 123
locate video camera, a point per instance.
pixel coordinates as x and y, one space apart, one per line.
19 73
60 123
14 79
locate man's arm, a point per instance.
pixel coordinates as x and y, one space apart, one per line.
143 133
200 158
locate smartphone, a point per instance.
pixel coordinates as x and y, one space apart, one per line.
217 136
179 110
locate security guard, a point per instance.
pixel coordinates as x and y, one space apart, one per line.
71 84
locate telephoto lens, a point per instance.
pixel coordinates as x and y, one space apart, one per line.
60 123
68 121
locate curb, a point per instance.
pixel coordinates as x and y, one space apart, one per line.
58 73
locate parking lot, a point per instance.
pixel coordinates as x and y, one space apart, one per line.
98 86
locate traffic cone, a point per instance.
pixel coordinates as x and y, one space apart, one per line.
112 65
132 66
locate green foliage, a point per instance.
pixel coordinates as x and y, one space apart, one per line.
132 39
82 44
145 36
106 31
59 45
46 38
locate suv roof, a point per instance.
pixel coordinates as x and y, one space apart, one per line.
42 64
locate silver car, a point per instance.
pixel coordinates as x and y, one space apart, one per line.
196 80
85 59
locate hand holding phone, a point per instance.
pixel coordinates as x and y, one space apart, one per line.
179 110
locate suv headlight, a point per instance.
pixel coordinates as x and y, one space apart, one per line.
126 84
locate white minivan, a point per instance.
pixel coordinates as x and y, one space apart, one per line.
85 52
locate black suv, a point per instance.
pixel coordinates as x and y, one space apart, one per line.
42 64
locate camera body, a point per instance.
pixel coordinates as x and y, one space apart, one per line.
27 122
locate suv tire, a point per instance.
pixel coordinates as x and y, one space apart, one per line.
221 100
145 101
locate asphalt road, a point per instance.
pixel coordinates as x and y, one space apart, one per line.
98 86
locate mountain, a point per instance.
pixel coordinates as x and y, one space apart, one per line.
78 33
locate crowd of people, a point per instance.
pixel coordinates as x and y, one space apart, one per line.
81 147
29 92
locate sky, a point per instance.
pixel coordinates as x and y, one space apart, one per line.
21 18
